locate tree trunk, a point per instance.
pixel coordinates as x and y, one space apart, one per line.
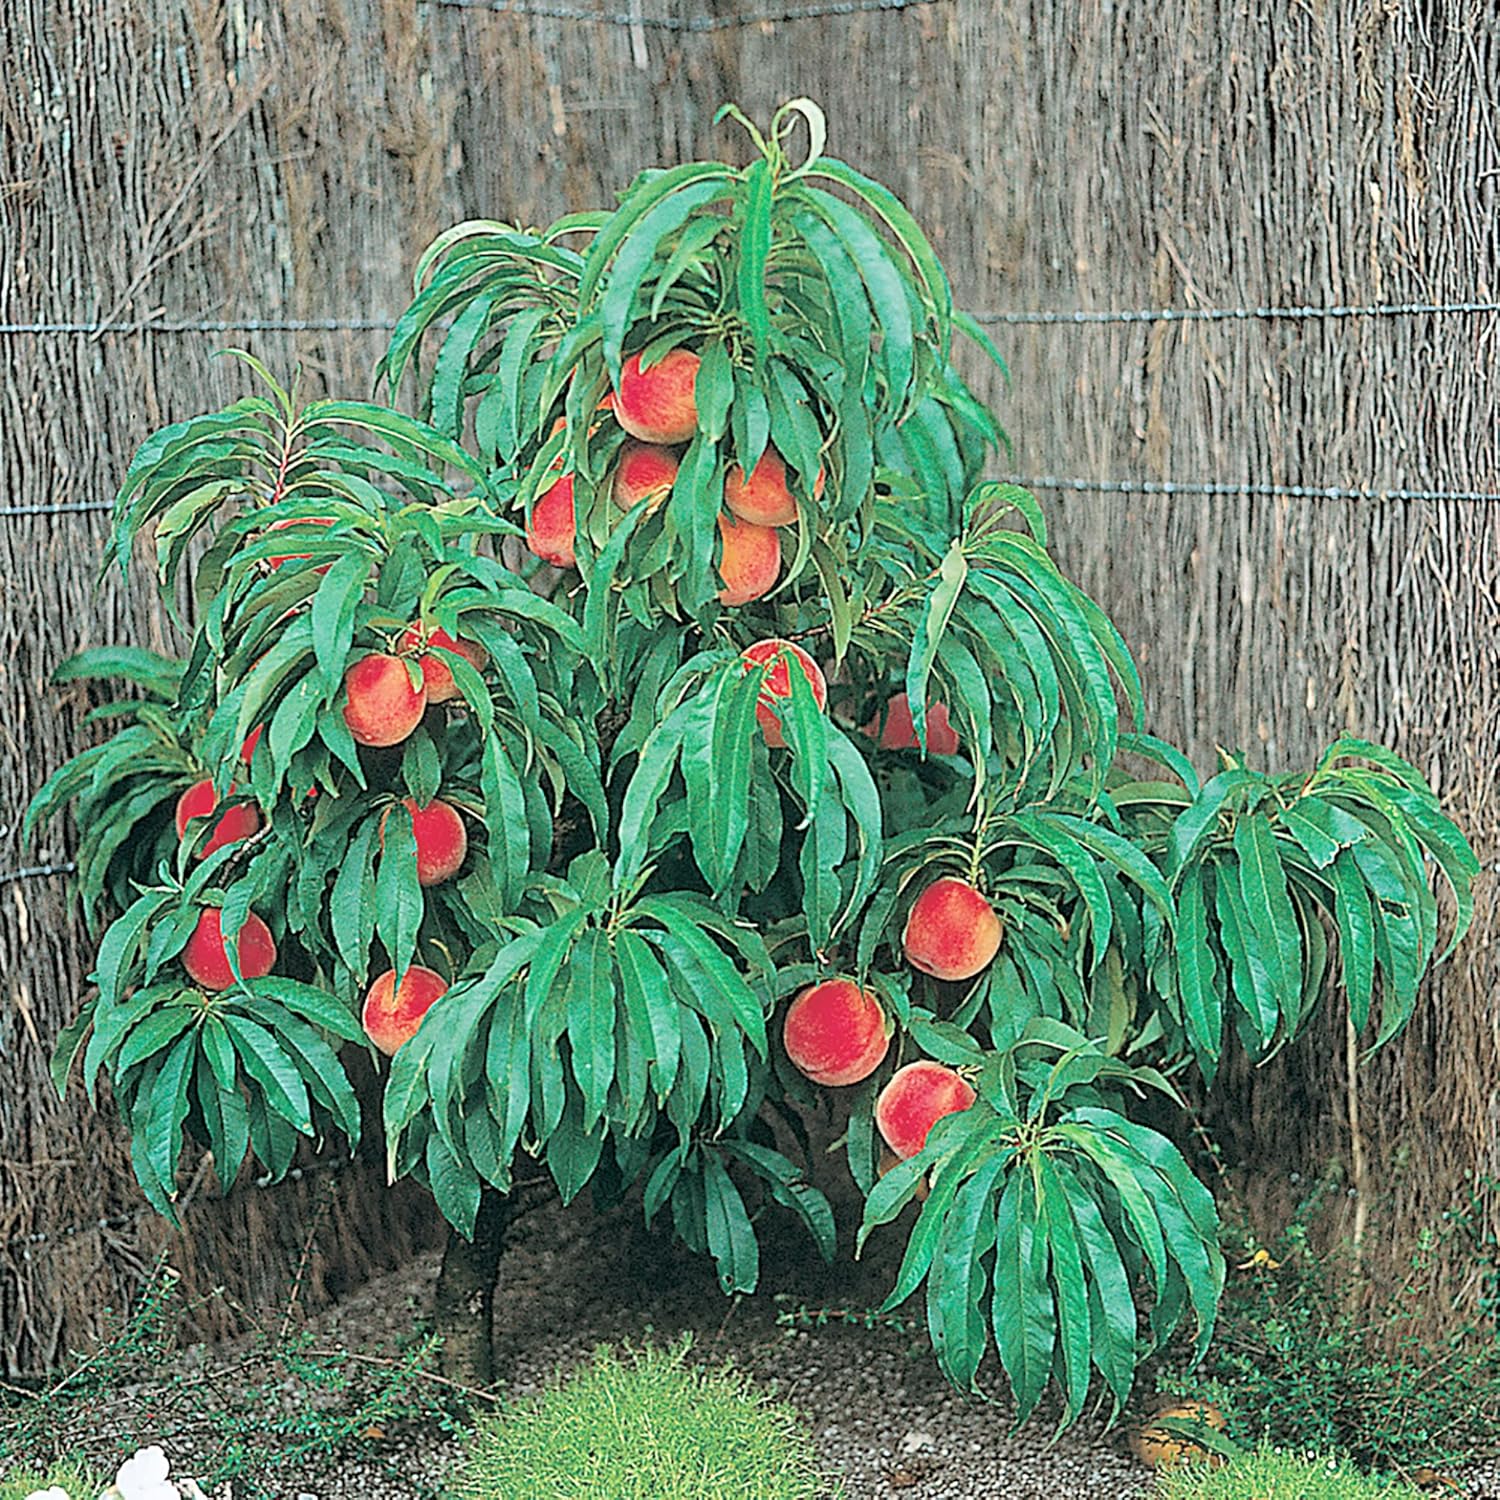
464 1303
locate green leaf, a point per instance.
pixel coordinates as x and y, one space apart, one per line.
955 1306
724 980
275 1072
648 783
505 820
731 1240
929 634
646 993
333 611
69 1044
1074 1320
1022 1312
1356 923
906 229
754 248
455 1186
398 893
1112 1308
446 391
637 253
1202 1006
632 209
713 391
163 1110
591 1022
1269 907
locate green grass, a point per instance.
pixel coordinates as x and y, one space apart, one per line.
70 1477
1273 1475
648 1426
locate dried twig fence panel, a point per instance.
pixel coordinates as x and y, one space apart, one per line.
276 169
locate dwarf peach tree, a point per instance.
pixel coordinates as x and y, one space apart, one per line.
672 671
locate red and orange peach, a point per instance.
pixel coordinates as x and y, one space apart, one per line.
749 560
206 956
835 1033
391 1016
436 673
657 404
646 471
551 528
382 705
198 801
774 658
899 732
247 750
442 840
764 497
291 521
951 932
915 1099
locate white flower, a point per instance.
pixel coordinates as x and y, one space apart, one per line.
55 1493
144 1477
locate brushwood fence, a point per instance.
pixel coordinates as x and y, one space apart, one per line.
1242 259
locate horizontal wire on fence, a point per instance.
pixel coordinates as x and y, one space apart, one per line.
1240 314
61 508
207 325
693 24
36 872
1039 316
1252 488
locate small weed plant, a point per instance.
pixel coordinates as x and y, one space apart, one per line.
1271 1474
281 1401
643 1425
1303 1360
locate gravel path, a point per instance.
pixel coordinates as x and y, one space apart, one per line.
883 1420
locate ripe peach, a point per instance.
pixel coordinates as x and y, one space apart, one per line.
551 529
900 733
951 932
835 1033
442 841
198 801
391 1016
207 961
915 1099
247 750
276 562
774 657
646 471
750 561
657 405
381 705
436 673
764 498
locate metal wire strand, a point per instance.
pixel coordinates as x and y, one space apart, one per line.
1242 314
1035 316
1255 490
205 325
692 24
1252 489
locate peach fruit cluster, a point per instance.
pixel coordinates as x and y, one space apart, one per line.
657 408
